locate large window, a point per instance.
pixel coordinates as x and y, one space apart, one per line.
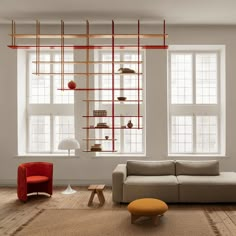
196 102
50 112
128 141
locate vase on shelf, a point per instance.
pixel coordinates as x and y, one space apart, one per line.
130 124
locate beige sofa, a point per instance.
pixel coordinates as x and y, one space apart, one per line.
173 181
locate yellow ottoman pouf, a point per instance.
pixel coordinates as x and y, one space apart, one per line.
147 207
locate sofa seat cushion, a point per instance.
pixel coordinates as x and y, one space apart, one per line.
162 187
151 180
225 178
220 188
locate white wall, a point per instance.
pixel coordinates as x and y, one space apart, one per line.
87 169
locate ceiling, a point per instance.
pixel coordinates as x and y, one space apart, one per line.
123 11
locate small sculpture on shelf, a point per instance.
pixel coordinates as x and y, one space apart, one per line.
126 70
106 137
130 124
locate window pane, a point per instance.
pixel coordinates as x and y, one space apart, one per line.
63 97
181 78
64 128
39 85
127 140
207 134
39 133
206 78
181 134
133 138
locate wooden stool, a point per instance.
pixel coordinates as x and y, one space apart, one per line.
96 189
150 207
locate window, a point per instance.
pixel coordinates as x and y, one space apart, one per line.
128 141
50 112
196 101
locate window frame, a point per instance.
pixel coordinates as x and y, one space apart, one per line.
98 56
195 109
50 109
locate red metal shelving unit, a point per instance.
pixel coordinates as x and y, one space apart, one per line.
89 75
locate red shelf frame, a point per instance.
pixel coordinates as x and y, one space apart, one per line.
90 47
62 36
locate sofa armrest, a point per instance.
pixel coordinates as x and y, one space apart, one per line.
118 177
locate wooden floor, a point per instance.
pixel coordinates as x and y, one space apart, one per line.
14 213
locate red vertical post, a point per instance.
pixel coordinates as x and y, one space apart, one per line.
87 84
138 74
113 87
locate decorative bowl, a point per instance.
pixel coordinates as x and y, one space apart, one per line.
121 98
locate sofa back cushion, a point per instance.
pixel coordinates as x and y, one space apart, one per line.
150 168
210 167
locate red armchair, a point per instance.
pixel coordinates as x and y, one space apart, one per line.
34 177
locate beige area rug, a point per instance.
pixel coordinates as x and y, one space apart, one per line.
100 222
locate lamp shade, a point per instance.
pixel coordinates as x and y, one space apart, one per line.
68 144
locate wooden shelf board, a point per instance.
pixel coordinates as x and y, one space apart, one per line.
113 128
111 101
99 151
99 89
68 73
98 36
89 47
87 62
98 139
111 116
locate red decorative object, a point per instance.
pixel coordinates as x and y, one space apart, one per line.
72 84
34 177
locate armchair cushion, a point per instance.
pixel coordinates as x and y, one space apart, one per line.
36 179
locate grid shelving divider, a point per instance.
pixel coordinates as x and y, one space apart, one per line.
88 75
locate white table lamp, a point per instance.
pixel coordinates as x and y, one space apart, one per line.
68 144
